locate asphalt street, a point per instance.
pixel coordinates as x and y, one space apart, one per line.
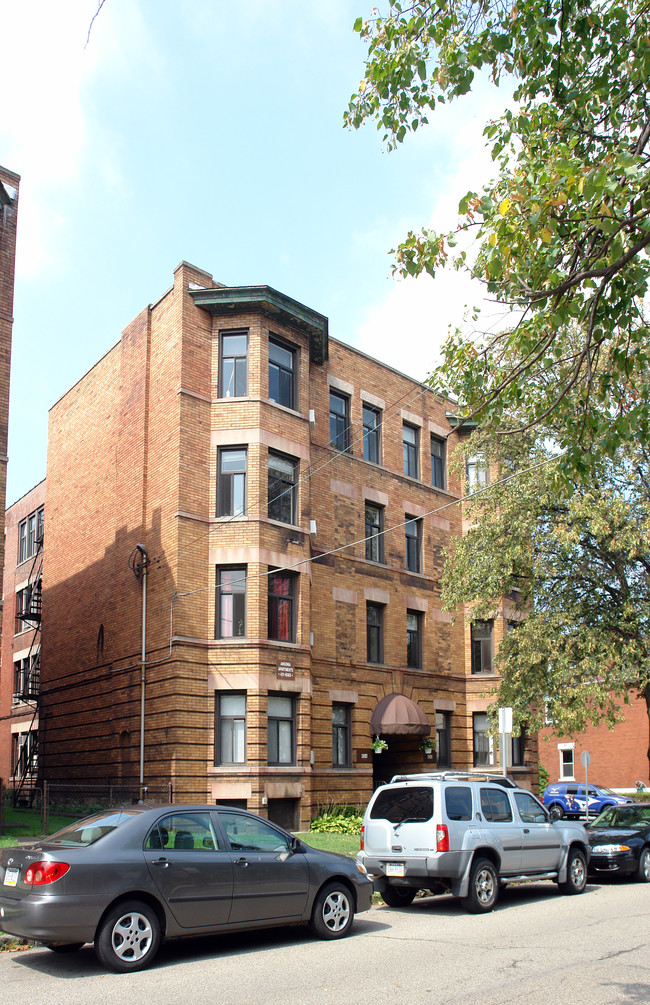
537 946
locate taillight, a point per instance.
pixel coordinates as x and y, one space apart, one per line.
42 873
442 838
361 844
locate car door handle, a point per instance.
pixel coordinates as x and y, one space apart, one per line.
243 862
526 830
162 863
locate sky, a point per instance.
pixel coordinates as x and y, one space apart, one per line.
212 132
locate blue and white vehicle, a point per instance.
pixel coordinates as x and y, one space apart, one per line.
567 799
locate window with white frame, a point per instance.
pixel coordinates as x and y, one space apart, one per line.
281 729
231 603
233 364
230 746
231 481
567 764
30 534
483 744
477 472
481 632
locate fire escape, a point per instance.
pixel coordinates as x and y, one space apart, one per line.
27 678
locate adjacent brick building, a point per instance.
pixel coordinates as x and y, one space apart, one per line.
283 501
21 639
618 757
9 185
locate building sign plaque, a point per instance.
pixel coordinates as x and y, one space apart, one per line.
285 670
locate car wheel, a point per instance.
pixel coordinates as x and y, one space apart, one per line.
129 936
66 947
576 873
333 912
642 874
483 887
557 810
398 896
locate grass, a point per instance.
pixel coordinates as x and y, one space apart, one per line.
344 844
19 823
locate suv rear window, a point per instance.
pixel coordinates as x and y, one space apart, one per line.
401 805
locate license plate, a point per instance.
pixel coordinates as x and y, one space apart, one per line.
11 877
394 868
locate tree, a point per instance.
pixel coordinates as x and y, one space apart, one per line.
575 559
564 228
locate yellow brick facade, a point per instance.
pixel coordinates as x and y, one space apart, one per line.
133 459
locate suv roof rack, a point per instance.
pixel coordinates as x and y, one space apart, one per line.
459 776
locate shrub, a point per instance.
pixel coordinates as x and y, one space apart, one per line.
338 820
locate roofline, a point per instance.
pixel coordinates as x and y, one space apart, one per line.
229 301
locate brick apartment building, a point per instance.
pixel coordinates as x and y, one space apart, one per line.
21 639
9 185
274 505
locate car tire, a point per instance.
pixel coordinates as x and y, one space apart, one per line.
576 873
66 947
642 874
398 896
483 887
558 809
333 912
128 937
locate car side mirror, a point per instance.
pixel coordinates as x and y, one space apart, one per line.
554 814
295 844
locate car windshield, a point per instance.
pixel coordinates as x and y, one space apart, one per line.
86 832
623 816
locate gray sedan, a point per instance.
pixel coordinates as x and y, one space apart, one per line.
127 878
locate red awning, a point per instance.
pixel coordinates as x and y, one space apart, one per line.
397 715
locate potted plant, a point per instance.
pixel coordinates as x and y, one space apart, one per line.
378 745
428 745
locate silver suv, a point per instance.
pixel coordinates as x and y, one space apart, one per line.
468 834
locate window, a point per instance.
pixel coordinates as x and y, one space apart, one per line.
23 751
231 603
413 537
483 746
458 802
566 762
30 534
397 805
252 834
374 632
26 678
183 832
410 443
495 806
374 536
231 486
281 730
481 632
437 462
477 472
281 606
22 608
339 421
371 426
341 736
414 639
530 811
283 488
230 747
282 367
518 749
233 370
443 744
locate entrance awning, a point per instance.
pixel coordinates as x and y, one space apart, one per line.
397 715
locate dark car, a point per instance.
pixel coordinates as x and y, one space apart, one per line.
567 799
620 842
127 878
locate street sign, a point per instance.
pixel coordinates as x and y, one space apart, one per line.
505 720
585 758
